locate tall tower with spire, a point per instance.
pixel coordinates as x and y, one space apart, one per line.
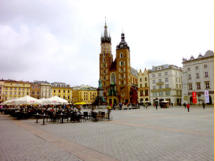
118 79
105 60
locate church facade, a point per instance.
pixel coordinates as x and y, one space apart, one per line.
118 78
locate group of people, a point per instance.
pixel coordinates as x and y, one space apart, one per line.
187 105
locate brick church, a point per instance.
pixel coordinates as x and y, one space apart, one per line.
118 78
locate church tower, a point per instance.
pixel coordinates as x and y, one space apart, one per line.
105 61
123 70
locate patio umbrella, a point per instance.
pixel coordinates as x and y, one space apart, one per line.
55 100
80 103
26 100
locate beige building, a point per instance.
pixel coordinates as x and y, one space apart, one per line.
166 84
10 89
84 93
41 89
143 86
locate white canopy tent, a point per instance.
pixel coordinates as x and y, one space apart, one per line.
55 100
27 100
8 102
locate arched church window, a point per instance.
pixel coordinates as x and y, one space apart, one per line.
121 55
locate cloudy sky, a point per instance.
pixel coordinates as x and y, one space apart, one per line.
59 40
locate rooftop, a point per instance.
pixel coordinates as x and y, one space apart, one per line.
207 54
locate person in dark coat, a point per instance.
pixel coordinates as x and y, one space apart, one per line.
203 105
185 105
156 105
120 106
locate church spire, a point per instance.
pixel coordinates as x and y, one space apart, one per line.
123 43
105 37
105 30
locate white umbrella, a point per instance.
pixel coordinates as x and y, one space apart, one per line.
42 101
9 102
26 100
55 101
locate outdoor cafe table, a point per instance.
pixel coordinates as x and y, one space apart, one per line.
62 115
40 115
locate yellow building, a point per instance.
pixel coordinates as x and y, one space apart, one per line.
62 90
85 94
143 86
10 89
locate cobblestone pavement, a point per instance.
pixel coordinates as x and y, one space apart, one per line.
133 135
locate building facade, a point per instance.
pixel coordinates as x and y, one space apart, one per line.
198 76
143 87
62 90
46 90
84 93
10 89
41 89
35 90
118 80
166 84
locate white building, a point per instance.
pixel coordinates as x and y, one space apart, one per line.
166 84
46 90
198 76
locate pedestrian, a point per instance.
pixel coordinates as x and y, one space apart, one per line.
120 106
109 111
203 105
185 105
188 107
156 105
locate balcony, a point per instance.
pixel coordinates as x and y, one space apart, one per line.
160 83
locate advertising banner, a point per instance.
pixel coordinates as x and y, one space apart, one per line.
194 97
207 96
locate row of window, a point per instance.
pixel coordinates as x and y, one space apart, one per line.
160 94
141 85
198 76
160 80
16 89
146 93
13 93
159 74
198 85
197 67
167 86
59 91
141 79
64 97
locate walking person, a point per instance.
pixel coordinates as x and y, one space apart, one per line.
185 105
203 105
188 107
146 104
109 111
156 105
120 106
